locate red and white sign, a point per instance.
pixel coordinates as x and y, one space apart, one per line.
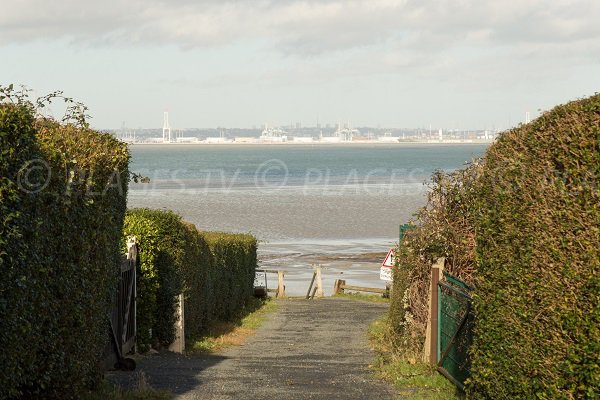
385 272
389 259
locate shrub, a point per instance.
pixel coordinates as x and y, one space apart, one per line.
214 271
537 301
197 274
442 228
17 313
523 227
234 264
162 239
60 235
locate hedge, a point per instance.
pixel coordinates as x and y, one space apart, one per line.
17 313
60 238
522 226
537 301
161 237
233 257
214 271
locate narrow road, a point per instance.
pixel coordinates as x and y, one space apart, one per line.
308 349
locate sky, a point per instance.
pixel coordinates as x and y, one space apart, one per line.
464 64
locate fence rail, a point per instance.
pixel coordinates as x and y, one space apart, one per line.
263 290
340 285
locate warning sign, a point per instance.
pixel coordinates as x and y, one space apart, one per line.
385 272
389 259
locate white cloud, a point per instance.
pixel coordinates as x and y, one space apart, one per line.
471 44
301 27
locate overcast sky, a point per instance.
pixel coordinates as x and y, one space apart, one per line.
453 64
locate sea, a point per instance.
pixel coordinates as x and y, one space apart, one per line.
334 206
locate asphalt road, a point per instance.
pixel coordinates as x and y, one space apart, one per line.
308 349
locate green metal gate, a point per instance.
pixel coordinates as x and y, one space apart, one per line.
455 324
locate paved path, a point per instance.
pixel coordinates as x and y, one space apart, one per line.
308 349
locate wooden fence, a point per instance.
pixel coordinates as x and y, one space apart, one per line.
340 285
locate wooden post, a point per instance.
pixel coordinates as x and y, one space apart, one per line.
319 282
280 286
311 285
338 286
431 334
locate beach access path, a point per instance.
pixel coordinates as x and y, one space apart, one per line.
307 349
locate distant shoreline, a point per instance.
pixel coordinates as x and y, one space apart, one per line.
324 144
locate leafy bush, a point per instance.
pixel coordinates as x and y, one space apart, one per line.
233 257
161 236
537 301
17 313
63 199
214 271
198 278
442 228
523 227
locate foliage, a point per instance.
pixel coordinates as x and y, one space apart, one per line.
214 271
162 239
523 227
63 197
233 258
537 301
442 228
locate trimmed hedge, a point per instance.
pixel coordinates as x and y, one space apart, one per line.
63 199
17 312
215 272
161 236
537 301
233 259
523 226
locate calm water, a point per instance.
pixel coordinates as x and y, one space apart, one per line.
307 204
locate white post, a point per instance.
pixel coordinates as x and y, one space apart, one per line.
178 345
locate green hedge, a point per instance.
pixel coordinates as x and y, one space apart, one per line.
522 226
60 238
537 301
161 236
215 272
17 312
233 257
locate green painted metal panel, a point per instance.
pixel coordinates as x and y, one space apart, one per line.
455 322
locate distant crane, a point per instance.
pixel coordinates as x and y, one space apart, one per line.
166 128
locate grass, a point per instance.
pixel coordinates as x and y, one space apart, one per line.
373 298
141 391
220 334
414 379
